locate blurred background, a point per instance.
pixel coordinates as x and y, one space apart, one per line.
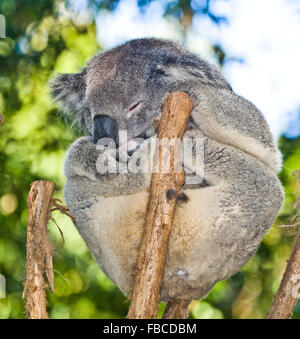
256 45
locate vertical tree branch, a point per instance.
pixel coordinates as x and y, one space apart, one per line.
289 289
163 193
39 250
176 309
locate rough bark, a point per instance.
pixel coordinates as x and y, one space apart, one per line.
162 200
39 250
289 289
176 309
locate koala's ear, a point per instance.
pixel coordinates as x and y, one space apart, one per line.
69 91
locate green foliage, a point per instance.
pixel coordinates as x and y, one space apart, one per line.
42 41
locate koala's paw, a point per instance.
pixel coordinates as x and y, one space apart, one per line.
81 159
102 165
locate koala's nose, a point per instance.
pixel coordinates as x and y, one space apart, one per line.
105 127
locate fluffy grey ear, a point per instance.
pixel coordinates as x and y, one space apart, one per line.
69 91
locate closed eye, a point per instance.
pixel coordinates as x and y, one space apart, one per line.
133 108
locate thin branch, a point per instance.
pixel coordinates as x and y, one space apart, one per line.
289 289
162 200
58 206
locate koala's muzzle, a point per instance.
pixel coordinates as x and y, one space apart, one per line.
105 127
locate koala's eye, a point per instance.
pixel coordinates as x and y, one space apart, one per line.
134 107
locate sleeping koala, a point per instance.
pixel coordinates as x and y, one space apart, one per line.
222 220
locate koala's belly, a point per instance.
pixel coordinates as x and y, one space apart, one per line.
196 255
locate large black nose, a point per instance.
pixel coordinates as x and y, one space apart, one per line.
105 127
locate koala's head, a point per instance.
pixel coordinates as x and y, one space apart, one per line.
125 88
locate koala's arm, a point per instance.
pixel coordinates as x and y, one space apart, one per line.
81 165
232 120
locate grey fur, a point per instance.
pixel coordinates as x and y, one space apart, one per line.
221 223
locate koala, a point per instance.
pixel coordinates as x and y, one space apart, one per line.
221 221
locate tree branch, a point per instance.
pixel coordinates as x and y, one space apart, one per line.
289 289
176 309
39 250
163 193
